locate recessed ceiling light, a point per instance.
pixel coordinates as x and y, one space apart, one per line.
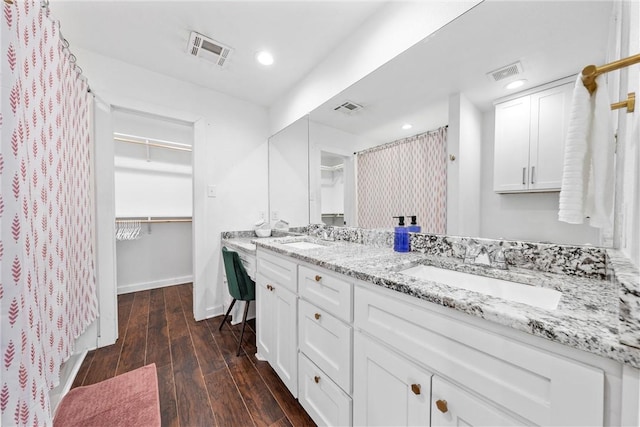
515 84
406 126
265 58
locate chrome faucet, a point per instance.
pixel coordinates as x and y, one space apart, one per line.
327 234
478 254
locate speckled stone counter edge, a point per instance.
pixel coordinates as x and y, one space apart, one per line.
627 277
583 261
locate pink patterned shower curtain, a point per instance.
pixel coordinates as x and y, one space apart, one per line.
405 177
47 265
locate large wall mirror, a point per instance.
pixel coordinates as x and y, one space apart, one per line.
435 83
289 174
424 87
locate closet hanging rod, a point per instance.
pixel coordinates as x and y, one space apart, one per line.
148 142
590 72
150 220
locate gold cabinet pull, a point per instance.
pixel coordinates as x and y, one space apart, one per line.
318 278
415 388
316 379
317 316
442 405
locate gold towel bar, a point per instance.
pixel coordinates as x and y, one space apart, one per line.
590 72
629 104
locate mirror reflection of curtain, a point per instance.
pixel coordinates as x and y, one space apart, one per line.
405 177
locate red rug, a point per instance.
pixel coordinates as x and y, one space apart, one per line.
130 399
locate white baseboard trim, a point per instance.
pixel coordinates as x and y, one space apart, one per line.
145 286
216 310
68 373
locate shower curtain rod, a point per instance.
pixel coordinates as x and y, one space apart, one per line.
399 141
158 143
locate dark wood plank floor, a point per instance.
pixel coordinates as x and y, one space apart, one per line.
201 380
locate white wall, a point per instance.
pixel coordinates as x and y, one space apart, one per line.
289 174
162 256
522 216
628 153
390 31
463 173
229 152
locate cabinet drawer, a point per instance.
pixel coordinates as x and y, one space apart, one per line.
326 291
325 402
327 342
452 406
249 263
537 385
278 270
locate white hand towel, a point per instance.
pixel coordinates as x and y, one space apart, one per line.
575 173
599 203
587 178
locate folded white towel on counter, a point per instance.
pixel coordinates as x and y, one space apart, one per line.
587 178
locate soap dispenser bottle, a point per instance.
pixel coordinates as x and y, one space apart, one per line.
414 227
401 236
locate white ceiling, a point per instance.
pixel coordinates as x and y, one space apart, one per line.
154 35
552 39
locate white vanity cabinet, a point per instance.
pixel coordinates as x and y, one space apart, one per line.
354 353
536 386
325 337
388 389
529 140
452 406
277 312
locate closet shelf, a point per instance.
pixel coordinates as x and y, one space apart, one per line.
151 142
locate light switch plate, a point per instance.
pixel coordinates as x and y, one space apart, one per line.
211 191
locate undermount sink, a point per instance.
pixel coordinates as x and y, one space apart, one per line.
303 245
511 291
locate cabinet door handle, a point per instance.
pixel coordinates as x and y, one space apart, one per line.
533 173
415 388
524 176
318 278
316 379
442 405
271 288
317 316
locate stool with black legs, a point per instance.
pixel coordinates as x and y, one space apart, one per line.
241 287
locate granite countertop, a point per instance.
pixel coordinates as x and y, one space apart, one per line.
246 244
586 317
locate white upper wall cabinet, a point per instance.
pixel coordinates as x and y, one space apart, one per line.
529 141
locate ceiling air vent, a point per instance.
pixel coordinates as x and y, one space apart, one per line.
505 72
348 107
207 48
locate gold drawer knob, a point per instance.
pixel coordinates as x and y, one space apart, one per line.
317 316
316 379
442 405
318 278
415 388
